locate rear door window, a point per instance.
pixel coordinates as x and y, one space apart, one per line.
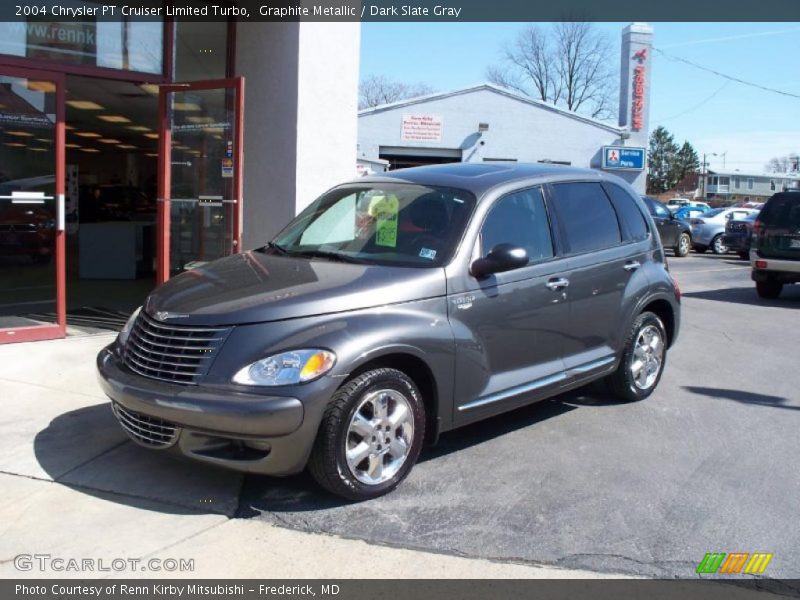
586 217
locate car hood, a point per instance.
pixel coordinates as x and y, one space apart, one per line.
256 287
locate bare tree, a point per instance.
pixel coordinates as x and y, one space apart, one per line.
376 90
568 66
784 164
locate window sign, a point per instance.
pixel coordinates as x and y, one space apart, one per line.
90 41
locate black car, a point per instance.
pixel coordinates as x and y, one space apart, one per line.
738 233
675 233
775 246
392 309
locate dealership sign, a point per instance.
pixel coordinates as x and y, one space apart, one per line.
623 157
638 93
421 128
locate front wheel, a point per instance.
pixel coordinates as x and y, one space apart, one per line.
683 246
718 246
371 435
643 359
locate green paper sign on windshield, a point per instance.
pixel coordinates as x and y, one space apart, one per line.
384 209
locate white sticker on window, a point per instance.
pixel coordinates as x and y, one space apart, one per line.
427 253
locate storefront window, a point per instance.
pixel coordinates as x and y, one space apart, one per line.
97 41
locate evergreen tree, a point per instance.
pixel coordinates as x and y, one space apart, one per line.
661 158
686 162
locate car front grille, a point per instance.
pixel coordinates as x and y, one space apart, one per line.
176 354
147 431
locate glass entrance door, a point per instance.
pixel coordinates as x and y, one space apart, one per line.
200 173
32 294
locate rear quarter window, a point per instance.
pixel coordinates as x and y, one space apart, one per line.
586 217
782 210
628 210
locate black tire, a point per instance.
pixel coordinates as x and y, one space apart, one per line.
328 461
718 246
621 382
683 245
700 249
769 289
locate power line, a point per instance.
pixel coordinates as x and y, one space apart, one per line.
696 106
724 76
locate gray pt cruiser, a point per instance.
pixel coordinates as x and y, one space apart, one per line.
395 308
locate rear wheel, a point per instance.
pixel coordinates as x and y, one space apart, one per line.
769 289
683 246
718 246
643 359
371 435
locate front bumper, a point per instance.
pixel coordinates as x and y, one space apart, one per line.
218 425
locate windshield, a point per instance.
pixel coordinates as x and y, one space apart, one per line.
396 224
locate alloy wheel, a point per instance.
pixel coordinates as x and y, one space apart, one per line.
379 436
648 357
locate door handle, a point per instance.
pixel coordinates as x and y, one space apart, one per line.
557 284
632 265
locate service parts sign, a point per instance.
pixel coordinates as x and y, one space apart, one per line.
421 128
624 157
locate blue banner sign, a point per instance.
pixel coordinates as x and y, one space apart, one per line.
623 157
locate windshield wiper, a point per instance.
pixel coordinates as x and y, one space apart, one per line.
326 254
274 246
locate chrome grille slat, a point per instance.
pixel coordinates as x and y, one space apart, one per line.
191 365
172 353
158 325
145 430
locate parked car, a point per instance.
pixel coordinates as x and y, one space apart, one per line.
708 229
775 247
674 204
687 212
393 308
737 235
675 233
27 230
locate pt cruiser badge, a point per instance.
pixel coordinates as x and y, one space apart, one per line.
395 308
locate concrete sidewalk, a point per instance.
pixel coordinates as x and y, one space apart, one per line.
75 487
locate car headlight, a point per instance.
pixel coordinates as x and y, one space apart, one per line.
287 368
122 338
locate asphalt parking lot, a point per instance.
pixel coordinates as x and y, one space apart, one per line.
708 463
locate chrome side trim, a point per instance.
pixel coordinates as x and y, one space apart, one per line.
591 366
515 391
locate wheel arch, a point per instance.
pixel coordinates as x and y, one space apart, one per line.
664 311
420 372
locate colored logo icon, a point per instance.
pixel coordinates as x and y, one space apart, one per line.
735 562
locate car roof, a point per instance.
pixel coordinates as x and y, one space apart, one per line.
479 178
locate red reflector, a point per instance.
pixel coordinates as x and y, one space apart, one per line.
761 264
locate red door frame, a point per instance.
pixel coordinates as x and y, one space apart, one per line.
59 329
164 164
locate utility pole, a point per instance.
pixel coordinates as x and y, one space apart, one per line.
704 170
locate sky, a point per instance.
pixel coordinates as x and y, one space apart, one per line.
748 125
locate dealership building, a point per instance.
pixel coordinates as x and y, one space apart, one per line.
490 124
134 150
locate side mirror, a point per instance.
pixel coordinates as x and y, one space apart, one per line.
503 257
